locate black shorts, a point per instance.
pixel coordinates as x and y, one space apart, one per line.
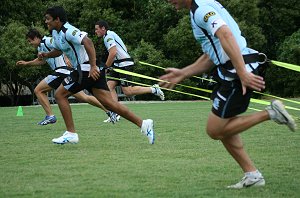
54 80
228 99
227 96
75 82
120 76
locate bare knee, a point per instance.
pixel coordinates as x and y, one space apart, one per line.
37 91
214 134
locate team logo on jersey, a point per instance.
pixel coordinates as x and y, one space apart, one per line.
209 14
109 39
213 24
74 32
216 103
68 80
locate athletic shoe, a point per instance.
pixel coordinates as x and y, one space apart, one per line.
48 120
247 182
147 129
158 92
112 117
67 137
281 116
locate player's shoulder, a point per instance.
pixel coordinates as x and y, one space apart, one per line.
70 31
48 39
110 36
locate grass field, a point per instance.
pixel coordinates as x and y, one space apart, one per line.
117 161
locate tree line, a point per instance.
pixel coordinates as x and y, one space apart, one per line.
154 32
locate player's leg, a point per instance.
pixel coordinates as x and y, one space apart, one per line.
61 97
70 135
112 87
135 90
224 124
82 97
40 91
218 128
112 116
252 176
130 90
104 96
139 90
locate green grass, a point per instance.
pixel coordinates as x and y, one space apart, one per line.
117 161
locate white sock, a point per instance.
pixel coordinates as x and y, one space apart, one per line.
253 174
271 113
153 90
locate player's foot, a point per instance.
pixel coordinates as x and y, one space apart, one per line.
278 113
48 120
147 129
247 182
112 117
67 137
158 92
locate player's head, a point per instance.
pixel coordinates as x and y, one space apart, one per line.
34 37
55 17
101 27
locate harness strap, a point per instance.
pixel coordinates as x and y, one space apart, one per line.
64 67
123 60
248 59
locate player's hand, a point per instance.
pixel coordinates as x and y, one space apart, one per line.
21 63
42 55
172 77
252 81
94 72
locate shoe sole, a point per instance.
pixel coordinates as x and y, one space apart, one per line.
153 140
47 123
281 109
259 183
64 143
109 121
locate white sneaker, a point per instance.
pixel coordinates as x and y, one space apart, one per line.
147 129
246 182
158 92
281 116
67 137
112 117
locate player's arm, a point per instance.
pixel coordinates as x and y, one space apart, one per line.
174 75
67 61
52 54
90 50
230 46
34 62
201 65
111 56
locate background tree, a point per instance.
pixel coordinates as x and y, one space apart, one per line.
14 46
154 31
287 82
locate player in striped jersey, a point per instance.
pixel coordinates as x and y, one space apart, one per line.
239 72
118 57
86 75
61 70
